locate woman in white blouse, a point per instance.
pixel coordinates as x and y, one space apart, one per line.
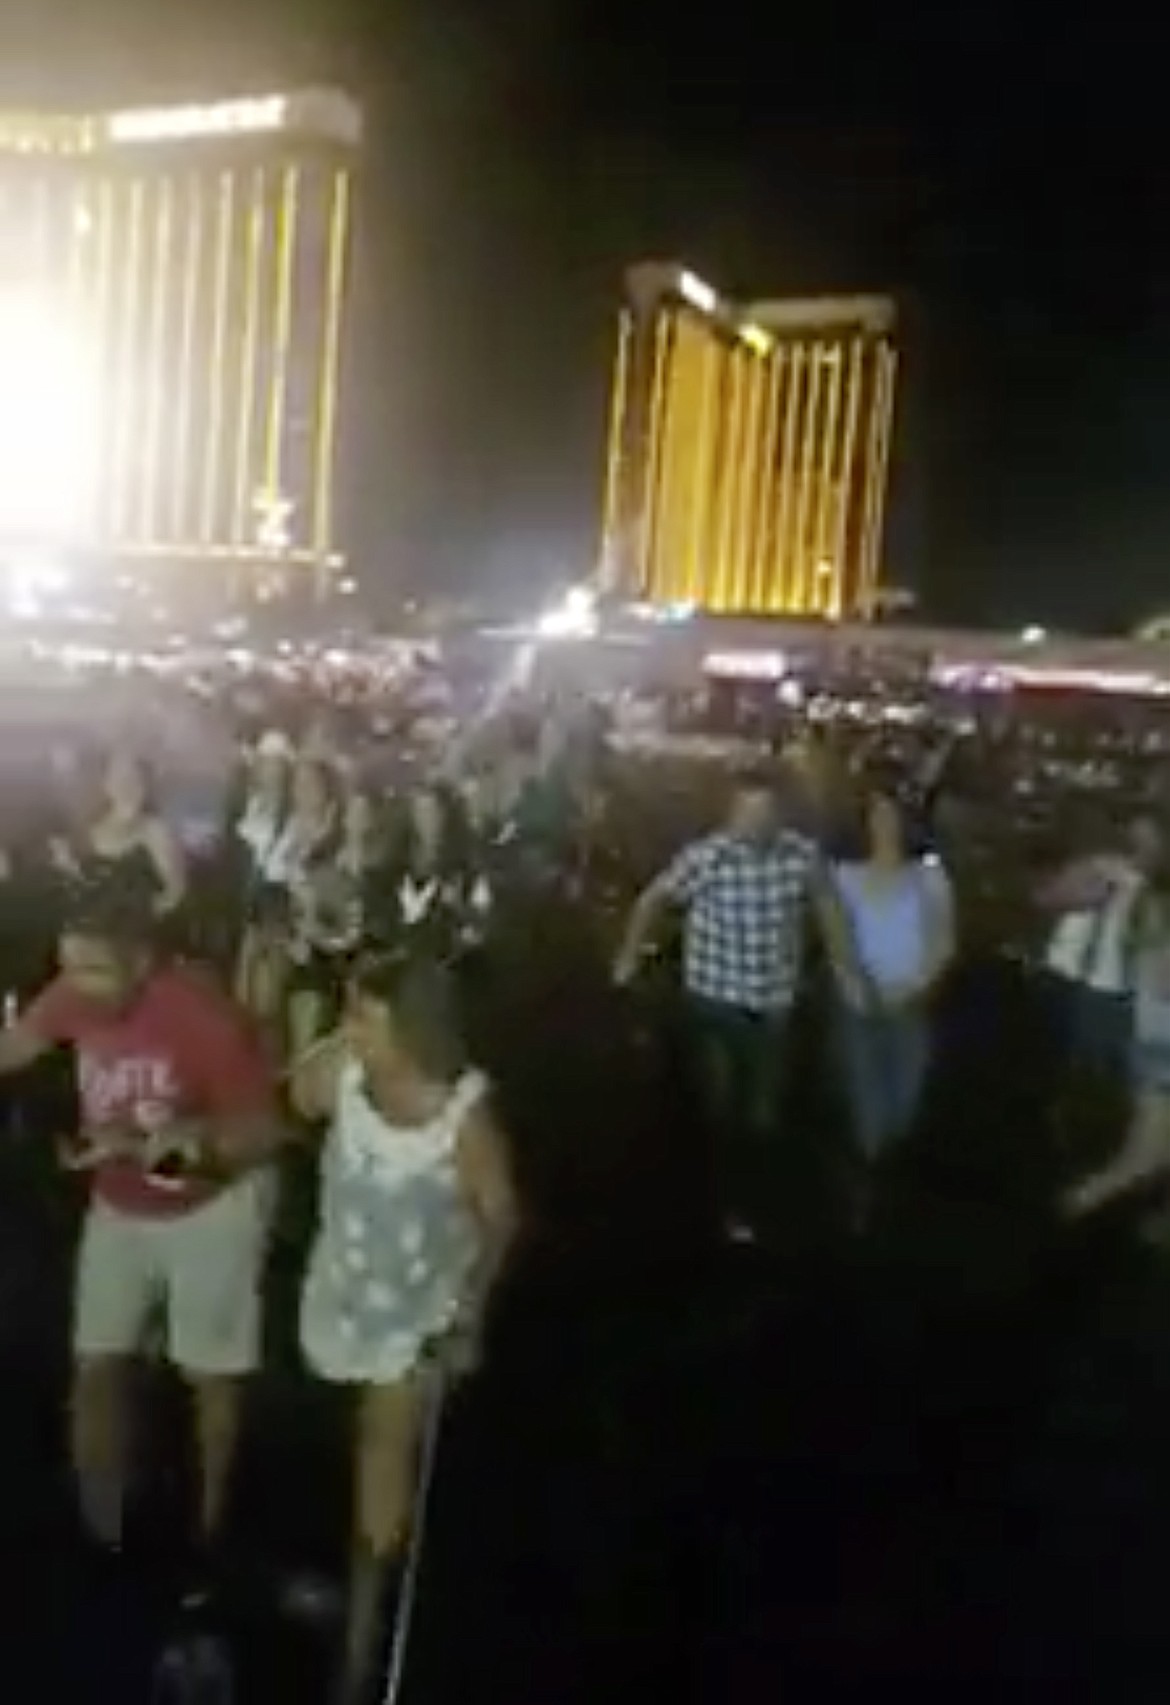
286 867
418 1212
901 918
266 807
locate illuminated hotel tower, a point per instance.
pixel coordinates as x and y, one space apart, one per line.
172 315
748 450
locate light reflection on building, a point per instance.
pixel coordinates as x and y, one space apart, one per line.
201 254
748 450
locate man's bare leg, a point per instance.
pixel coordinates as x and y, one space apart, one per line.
218 1406
100 1421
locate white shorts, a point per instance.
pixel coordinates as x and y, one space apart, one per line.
202 1271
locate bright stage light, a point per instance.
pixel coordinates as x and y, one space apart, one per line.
574 618
32 584
48 422
566 624
38 576
698 293
220 118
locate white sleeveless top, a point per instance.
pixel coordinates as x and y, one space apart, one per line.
260 829
397 1243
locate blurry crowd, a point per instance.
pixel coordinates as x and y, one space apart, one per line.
252 901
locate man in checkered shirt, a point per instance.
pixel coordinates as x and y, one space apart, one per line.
748 892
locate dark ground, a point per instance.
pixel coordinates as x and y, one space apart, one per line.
936 1458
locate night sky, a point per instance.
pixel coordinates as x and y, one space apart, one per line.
1002 169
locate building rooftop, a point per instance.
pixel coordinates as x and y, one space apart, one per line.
761 323
326 114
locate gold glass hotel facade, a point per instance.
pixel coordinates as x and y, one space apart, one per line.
173 287
748 450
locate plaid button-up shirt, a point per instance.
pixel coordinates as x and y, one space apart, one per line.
747 910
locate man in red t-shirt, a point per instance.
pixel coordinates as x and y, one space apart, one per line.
179 1120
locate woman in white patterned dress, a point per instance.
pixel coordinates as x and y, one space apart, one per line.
417 1212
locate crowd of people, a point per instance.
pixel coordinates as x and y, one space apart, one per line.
267 908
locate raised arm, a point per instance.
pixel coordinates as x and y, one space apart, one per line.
170 866
314 1078
677 885
1081 885
43 1026
21 1047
